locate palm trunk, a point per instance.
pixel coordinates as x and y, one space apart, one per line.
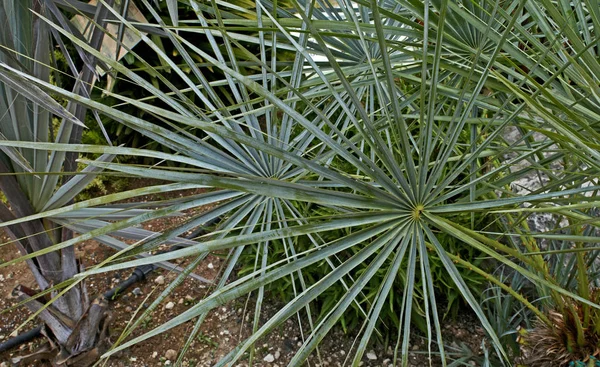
76 329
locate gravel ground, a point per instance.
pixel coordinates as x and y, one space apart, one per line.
222 329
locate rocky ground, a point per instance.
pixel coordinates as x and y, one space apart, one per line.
222 329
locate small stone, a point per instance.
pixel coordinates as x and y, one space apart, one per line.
269 358
180 301
169 305
171 354
128 309
386 361
154 354
137 292
160 280
342 352
3 364
210 266
277 354
371 356
1 278
189 298
133 359
415 347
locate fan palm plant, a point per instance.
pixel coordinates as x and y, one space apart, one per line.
72 322
38 181
392 116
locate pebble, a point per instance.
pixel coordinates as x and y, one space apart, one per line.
371 356
3 364
277 354
210 266
1 278
137 292
128 309
189 298
386 361
269 358
171 354
160 280
169 305
180 301
154 354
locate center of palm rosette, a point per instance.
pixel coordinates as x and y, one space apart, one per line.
417 211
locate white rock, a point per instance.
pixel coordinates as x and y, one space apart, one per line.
169 305
277 354
269 358
171 354
160 280
154 354
210 266
371 356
